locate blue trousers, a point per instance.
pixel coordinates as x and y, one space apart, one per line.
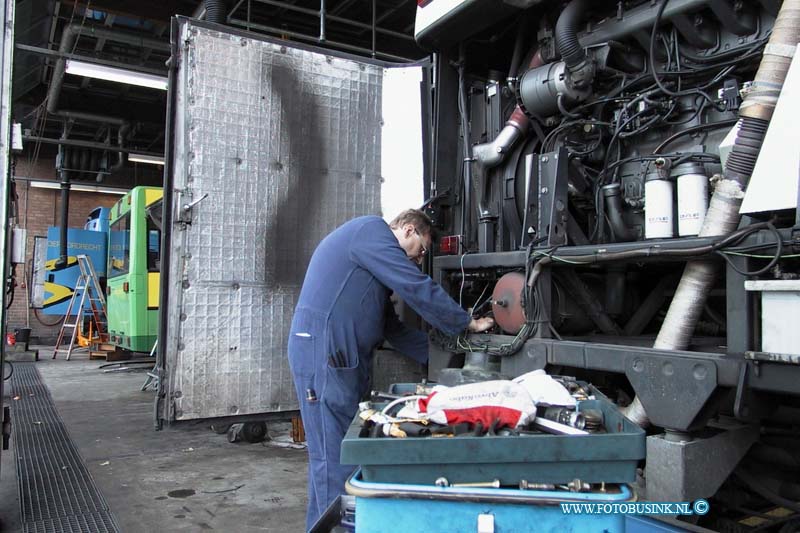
329 399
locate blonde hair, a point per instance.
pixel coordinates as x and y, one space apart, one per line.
416 218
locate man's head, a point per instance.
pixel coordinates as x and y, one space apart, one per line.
414 233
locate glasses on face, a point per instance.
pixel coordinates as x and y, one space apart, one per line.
421 243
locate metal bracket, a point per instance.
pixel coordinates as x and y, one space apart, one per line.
673 390
553 213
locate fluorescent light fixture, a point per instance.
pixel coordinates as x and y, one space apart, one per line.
78 188
143 158
102 72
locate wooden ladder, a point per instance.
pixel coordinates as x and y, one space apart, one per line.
87 289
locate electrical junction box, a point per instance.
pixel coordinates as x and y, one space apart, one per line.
16 137
18 245
780 307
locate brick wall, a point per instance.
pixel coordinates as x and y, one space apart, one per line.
37 209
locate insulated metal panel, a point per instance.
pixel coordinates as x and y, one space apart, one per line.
274 147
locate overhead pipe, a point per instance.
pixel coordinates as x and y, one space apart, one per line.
86 144
723 213
68 37
66 154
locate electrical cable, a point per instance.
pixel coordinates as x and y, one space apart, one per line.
726 53
42 322
769 266
563 110
699 127
652 60
463 279
646 251
402 399
11 370
475 305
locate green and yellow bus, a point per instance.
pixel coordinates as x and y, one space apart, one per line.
134 261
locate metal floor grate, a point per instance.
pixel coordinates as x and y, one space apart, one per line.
56 491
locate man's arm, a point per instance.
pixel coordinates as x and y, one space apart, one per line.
410 342
376 250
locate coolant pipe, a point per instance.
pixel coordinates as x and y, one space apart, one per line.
493 153
723 212
613 200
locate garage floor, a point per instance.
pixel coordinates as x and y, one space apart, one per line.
173 480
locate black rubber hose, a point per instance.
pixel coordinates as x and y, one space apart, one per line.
567 28
216 11
516 57
613 203
743 156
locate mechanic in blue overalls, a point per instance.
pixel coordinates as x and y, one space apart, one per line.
342 314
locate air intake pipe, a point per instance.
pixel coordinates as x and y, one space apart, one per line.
723 212
572 53
567 34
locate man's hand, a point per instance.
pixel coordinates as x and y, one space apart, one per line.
481 324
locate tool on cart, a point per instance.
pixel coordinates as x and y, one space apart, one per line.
87 289
391 448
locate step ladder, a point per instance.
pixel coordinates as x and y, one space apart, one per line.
87 289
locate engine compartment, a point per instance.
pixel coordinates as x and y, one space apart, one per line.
588 163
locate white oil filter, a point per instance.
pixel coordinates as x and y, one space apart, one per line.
692 198
658 213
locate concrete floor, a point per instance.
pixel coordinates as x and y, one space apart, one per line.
173 480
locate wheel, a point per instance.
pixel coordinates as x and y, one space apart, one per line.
254 431
220 429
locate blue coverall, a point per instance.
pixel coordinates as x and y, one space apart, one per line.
344 308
